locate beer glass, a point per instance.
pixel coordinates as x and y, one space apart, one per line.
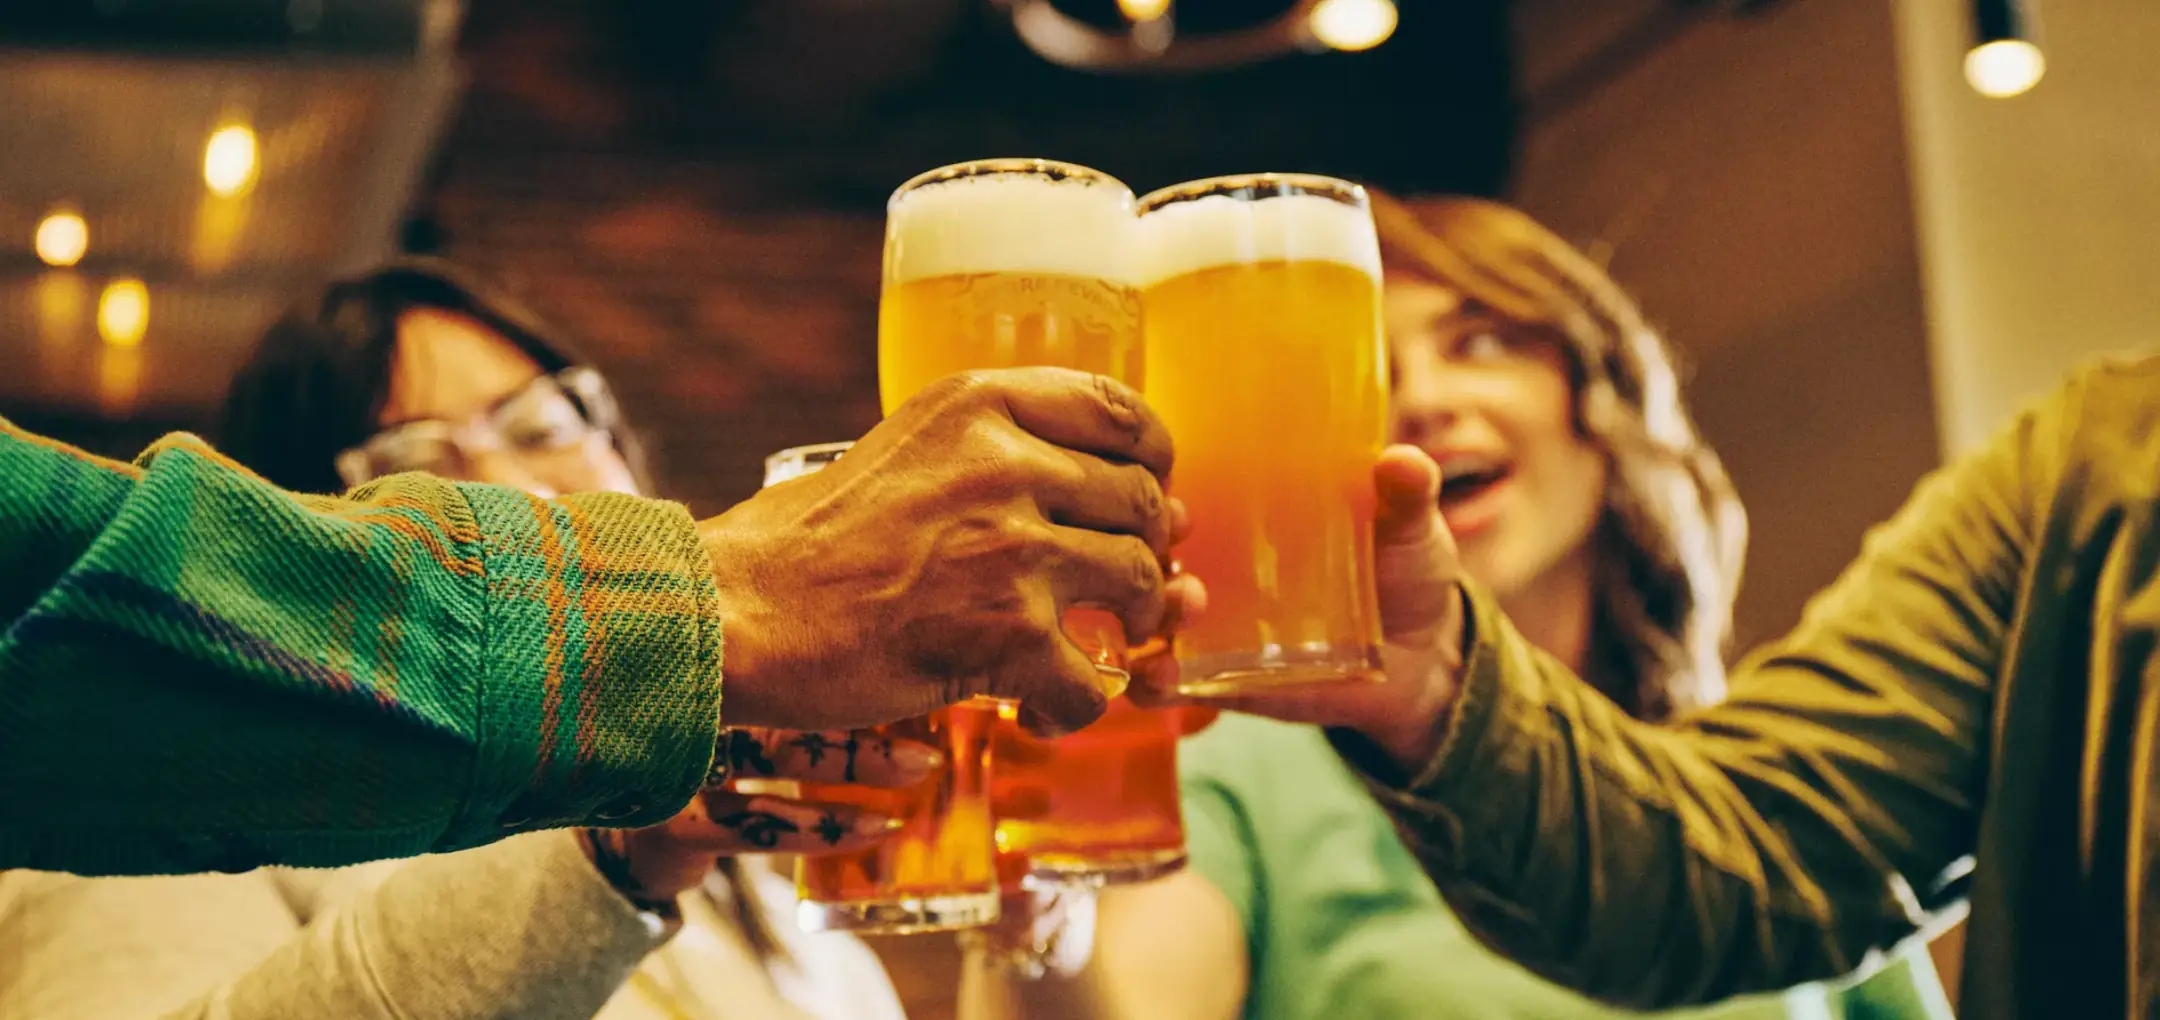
1266 358
1014 262
1105 798
938 872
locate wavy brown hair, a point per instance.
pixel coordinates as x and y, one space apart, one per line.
1672 535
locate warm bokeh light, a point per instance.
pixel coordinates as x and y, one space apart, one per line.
123 312
229 162
119 380
219 225
2004 68
1143 10
62 238
62 297
1352 25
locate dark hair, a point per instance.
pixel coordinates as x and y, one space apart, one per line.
317 381
1673 533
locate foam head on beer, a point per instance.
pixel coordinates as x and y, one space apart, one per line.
1184 237
1004 264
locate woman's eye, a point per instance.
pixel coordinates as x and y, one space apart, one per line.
1481 345
551 424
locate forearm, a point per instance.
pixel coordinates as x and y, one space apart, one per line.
204 672
522 930
1781 836
1746 849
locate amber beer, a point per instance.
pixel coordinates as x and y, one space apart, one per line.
938 872
1107 797
1010 263
1266 359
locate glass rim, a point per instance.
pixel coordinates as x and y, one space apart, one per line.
1241 187
1054 169
826 452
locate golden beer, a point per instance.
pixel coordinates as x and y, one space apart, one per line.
1004 264
1012 263
1266 359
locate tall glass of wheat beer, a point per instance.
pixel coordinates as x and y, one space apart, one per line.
1265 357
1008 263
1005 263
938 870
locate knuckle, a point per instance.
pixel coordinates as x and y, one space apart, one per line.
1147 495
1144 573
1121 407
961 391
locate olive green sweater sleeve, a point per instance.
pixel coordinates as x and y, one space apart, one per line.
199 671
1782 836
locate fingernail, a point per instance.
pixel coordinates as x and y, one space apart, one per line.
917 757
877 826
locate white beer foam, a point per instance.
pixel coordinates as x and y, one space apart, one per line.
1219 230
1026 223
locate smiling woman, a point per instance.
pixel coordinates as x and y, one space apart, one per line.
1578 488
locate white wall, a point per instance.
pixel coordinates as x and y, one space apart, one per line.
2039 216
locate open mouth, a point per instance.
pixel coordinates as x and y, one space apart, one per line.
1463 480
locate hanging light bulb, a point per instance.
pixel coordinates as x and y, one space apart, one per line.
2004 61
1353 25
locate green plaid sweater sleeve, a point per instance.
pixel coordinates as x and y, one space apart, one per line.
199 671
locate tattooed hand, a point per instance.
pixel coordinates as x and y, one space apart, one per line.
763 808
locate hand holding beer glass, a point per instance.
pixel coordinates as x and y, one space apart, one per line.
935 872
1266 358
1016 262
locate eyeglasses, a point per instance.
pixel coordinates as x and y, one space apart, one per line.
549 417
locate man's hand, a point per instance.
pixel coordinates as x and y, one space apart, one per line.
932 563
660 862
1421 619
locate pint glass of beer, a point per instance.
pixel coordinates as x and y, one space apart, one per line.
1014 262
938 872
1003 263
1266 358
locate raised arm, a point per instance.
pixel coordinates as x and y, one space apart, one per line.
199 671
1783 836
1812 819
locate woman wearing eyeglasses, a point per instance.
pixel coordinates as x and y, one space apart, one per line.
415 367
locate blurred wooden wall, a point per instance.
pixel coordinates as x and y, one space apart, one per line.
1749 180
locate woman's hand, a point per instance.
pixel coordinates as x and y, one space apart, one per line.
1421 616
651 866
